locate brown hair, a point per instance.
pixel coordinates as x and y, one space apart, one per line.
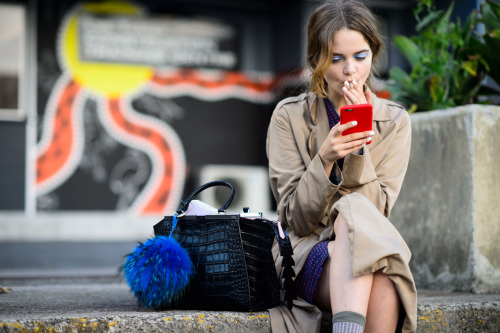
326 20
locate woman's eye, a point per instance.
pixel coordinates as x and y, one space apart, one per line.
337 59
361 56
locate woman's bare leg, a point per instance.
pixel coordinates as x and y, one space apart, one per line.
372 295
353 293
384 305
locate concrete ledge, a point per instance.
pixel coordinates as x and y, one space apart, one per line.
175 321
448 209
470 316
458 312
107 306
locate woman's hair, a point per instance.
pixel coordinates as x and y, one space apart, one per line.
326 20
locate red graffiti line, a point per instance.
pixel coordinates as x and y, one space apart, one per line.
57 154
156 203
227 79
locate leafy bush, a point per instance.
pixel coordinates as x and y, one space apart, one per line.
490 17
448 60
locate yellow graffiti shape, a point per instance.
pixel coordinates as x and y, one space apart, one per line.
110 80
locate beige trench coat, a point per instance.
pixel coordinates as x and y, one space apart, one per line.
308 202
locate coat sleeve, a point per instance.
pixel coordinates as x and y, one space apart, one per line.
380 179
300 186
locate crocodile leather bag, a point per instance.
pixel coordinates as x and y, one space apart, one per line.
231 253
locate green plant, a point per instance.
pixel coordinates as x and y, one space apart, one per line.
446 59
490 17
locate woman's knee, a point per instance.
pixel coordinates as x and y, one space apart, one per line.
340 225
384 284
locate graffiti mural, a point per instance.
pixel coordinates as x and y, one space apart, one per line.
118 82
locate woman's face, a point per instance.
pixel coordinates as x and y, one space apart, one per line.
351 60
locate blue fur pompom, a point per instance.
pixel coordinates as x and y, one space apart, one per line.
158 272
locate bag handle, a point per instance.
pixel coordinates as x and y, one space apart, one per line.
185 204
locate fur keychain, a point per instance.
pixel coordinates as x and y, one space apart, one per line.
158 271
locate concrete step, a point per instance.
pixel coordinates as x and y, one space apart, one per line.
458 312
105 304
74 287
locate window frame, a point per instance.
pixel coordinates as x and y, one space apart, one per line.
19 113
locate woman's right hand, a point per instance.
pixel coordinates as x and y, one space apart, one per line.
336 146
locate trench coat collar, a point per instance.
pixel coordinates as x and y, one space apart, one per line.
318 109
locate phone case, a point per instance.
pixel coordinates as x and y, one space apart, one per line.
362 113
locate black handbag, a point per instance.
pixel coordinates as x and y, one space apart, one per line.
231 254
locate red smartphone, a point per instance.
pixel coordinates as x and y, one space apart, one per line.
362 113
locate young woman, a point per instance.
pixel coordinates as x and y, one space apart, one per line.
335 192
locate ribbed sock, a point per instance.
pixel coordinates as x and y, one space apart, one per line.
348 322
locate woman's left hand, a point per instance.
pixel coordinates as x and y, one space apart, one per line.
354 94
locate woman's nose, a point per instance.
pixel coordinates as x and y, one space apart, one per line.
349 68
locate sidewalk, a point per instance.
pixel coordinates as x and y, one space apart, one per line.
74 287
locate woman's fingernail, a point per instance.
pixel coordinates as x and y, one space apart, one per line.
372 133
354 123
344 88
354 81
350 85
369 139
346 83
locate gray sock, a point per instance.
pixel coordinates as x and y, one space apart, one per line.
348 322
